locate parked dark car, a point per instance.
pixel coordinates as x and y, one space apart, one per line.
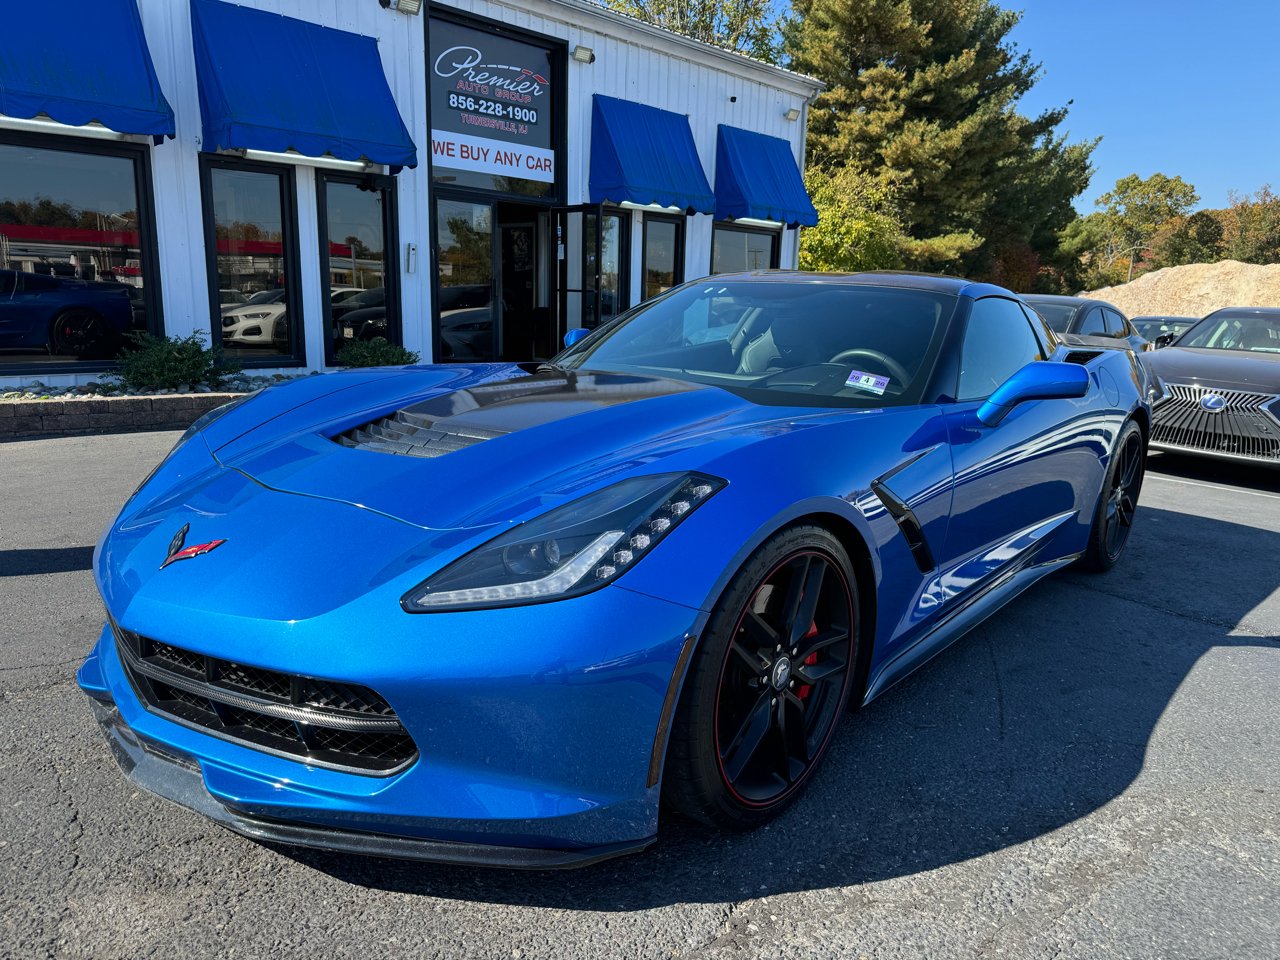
1154 327
1086 318
1223 380
373 297
63 315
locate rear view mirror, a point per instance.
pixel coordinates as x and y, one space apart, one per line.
573 336
1165 339
1038 380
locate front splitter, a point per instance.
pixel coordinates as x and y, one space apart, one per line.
177 778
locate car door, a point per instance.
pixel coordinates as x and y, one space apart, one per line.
1018 483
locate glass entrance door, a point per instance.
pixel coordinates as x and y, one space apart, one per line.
464 263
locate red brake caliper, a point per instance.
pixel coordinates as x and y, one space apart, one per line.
803 691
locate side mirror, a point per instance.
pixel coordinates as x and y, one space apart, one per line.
573 336
1165 339
1038 380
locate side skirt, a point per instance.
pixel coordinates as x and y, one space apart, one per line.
971 611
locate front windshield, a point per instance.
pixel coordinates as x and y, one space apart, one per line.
1258 333
779 342
1057 315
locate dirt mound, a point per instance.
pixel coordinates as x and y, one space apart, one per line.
1196 289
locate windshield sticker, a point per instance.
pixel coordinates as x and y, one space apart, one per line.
867 381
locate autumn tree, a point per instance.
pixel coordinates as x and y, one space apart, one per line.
1136 209
1252 227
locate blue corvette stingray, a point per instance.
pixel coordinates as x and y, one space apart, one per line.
492 615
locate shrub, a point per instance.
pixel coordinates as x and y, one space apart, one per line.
375 353
166 363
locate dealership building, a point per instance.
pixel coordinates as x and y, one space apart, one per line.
289 176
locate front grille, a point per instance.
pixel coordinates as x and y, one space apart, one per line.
323 722
413 434
1245 428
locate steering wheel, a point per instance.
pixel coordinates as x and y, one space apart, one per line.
886 362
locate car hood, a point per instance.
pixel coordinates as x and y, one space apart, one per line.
482 451
1227 368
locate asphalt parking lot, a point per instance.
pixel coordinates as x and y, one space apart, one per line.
1093 773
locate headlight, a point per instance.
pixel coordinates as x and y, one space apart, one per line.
571 550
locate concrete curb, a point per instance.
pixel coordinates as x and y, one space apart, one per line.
28 419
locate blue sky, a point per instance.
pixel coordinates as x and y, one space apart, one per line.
1185 87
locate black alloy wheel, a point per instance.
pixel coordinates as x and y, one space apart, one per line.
79 333
770 682
1118 505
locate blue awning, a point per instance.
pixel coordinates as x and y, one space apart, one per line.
757 177
270 82
81 63
647 156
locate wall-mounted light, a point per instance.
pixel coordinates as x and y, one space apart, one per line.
793 114
584 54
411 7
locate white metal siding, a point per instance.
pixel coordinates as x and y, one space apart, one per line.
633 62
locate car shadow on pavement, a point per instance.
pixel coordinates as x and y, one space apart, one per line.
25 563
1036 719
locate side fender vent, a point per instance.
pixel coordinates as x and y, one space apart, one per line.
1081 357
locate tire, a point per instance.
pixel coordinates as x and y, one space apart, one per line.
79 333
764 693
1118 501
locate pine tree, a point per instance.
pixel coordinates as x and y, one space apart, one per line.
922 95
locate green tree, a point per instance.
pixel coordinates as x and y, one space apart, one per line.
858 227
1136 208
745 26
922 95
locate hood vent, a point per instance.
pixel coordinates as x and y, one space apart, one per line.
1081 357
414 435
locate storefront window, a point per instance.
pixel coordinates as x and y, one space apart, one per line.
735 250
355 246
663 265
77 265
464 233
250 222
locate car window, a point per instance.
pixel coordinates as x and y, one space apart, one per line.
998 342
780 342
1092 324
1043 331
1115 324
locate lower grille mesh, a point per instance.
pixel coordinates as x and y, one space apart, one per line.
1246 427
322 722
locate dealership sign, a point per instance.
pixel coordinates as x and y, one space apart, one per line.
491 104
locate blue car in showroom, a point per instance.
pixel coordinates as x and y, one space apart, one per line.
498 614
64 316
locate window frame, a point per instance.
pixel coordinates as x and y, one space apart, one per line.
297 357
390 245
624 260
1021 310
677 277
148 242
732 226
